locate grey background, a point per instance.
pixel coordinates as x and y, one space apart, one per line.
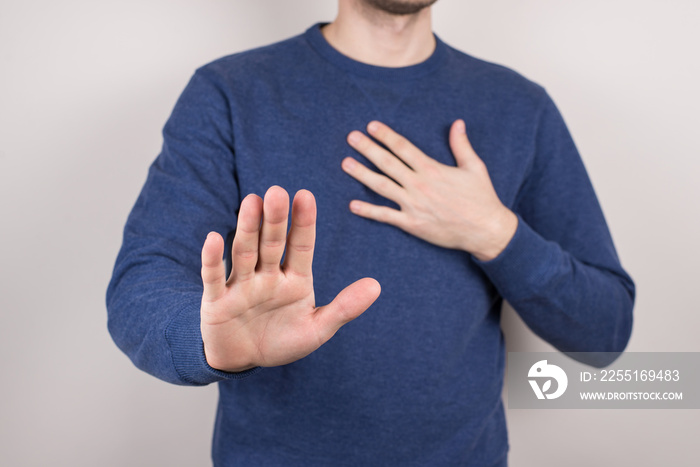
85 88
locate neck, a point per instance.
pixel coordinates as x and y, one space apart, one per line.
368 35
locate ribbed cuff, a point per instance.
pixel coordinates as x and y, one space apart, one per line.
184 336
518 272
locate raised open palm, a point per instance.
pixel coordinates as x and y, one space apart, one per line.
265 313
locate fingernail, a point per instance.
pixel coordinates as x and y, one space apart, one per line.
372 127
348 163
354 206
354 137
461 127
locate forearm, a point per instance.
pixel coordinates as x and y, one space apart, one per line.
153 309
575 306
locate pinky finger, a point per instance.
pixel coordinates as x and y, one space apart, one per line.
213 268
378 213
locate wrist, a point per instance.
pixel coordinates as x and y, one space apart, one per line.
498 234
225 365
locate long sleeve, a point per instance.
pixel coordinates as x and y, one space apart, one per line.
154 297
560 272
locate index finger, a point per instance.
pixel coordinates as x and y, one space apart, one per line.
399 145
302 235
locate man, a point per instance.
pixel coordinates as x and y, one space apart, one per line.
464 189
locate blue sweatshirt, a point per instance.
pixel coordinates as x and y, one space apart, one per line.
416 379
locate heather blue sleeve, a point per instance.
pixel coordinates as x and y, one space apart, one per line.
153 299
560 271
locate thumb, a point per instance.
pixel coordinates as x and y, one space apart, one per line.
213 268
350 303
459 143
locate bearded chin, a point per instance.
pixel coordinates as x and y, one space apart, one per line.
400 7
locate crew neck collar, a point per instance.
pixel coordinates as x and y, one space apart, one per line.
321 45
